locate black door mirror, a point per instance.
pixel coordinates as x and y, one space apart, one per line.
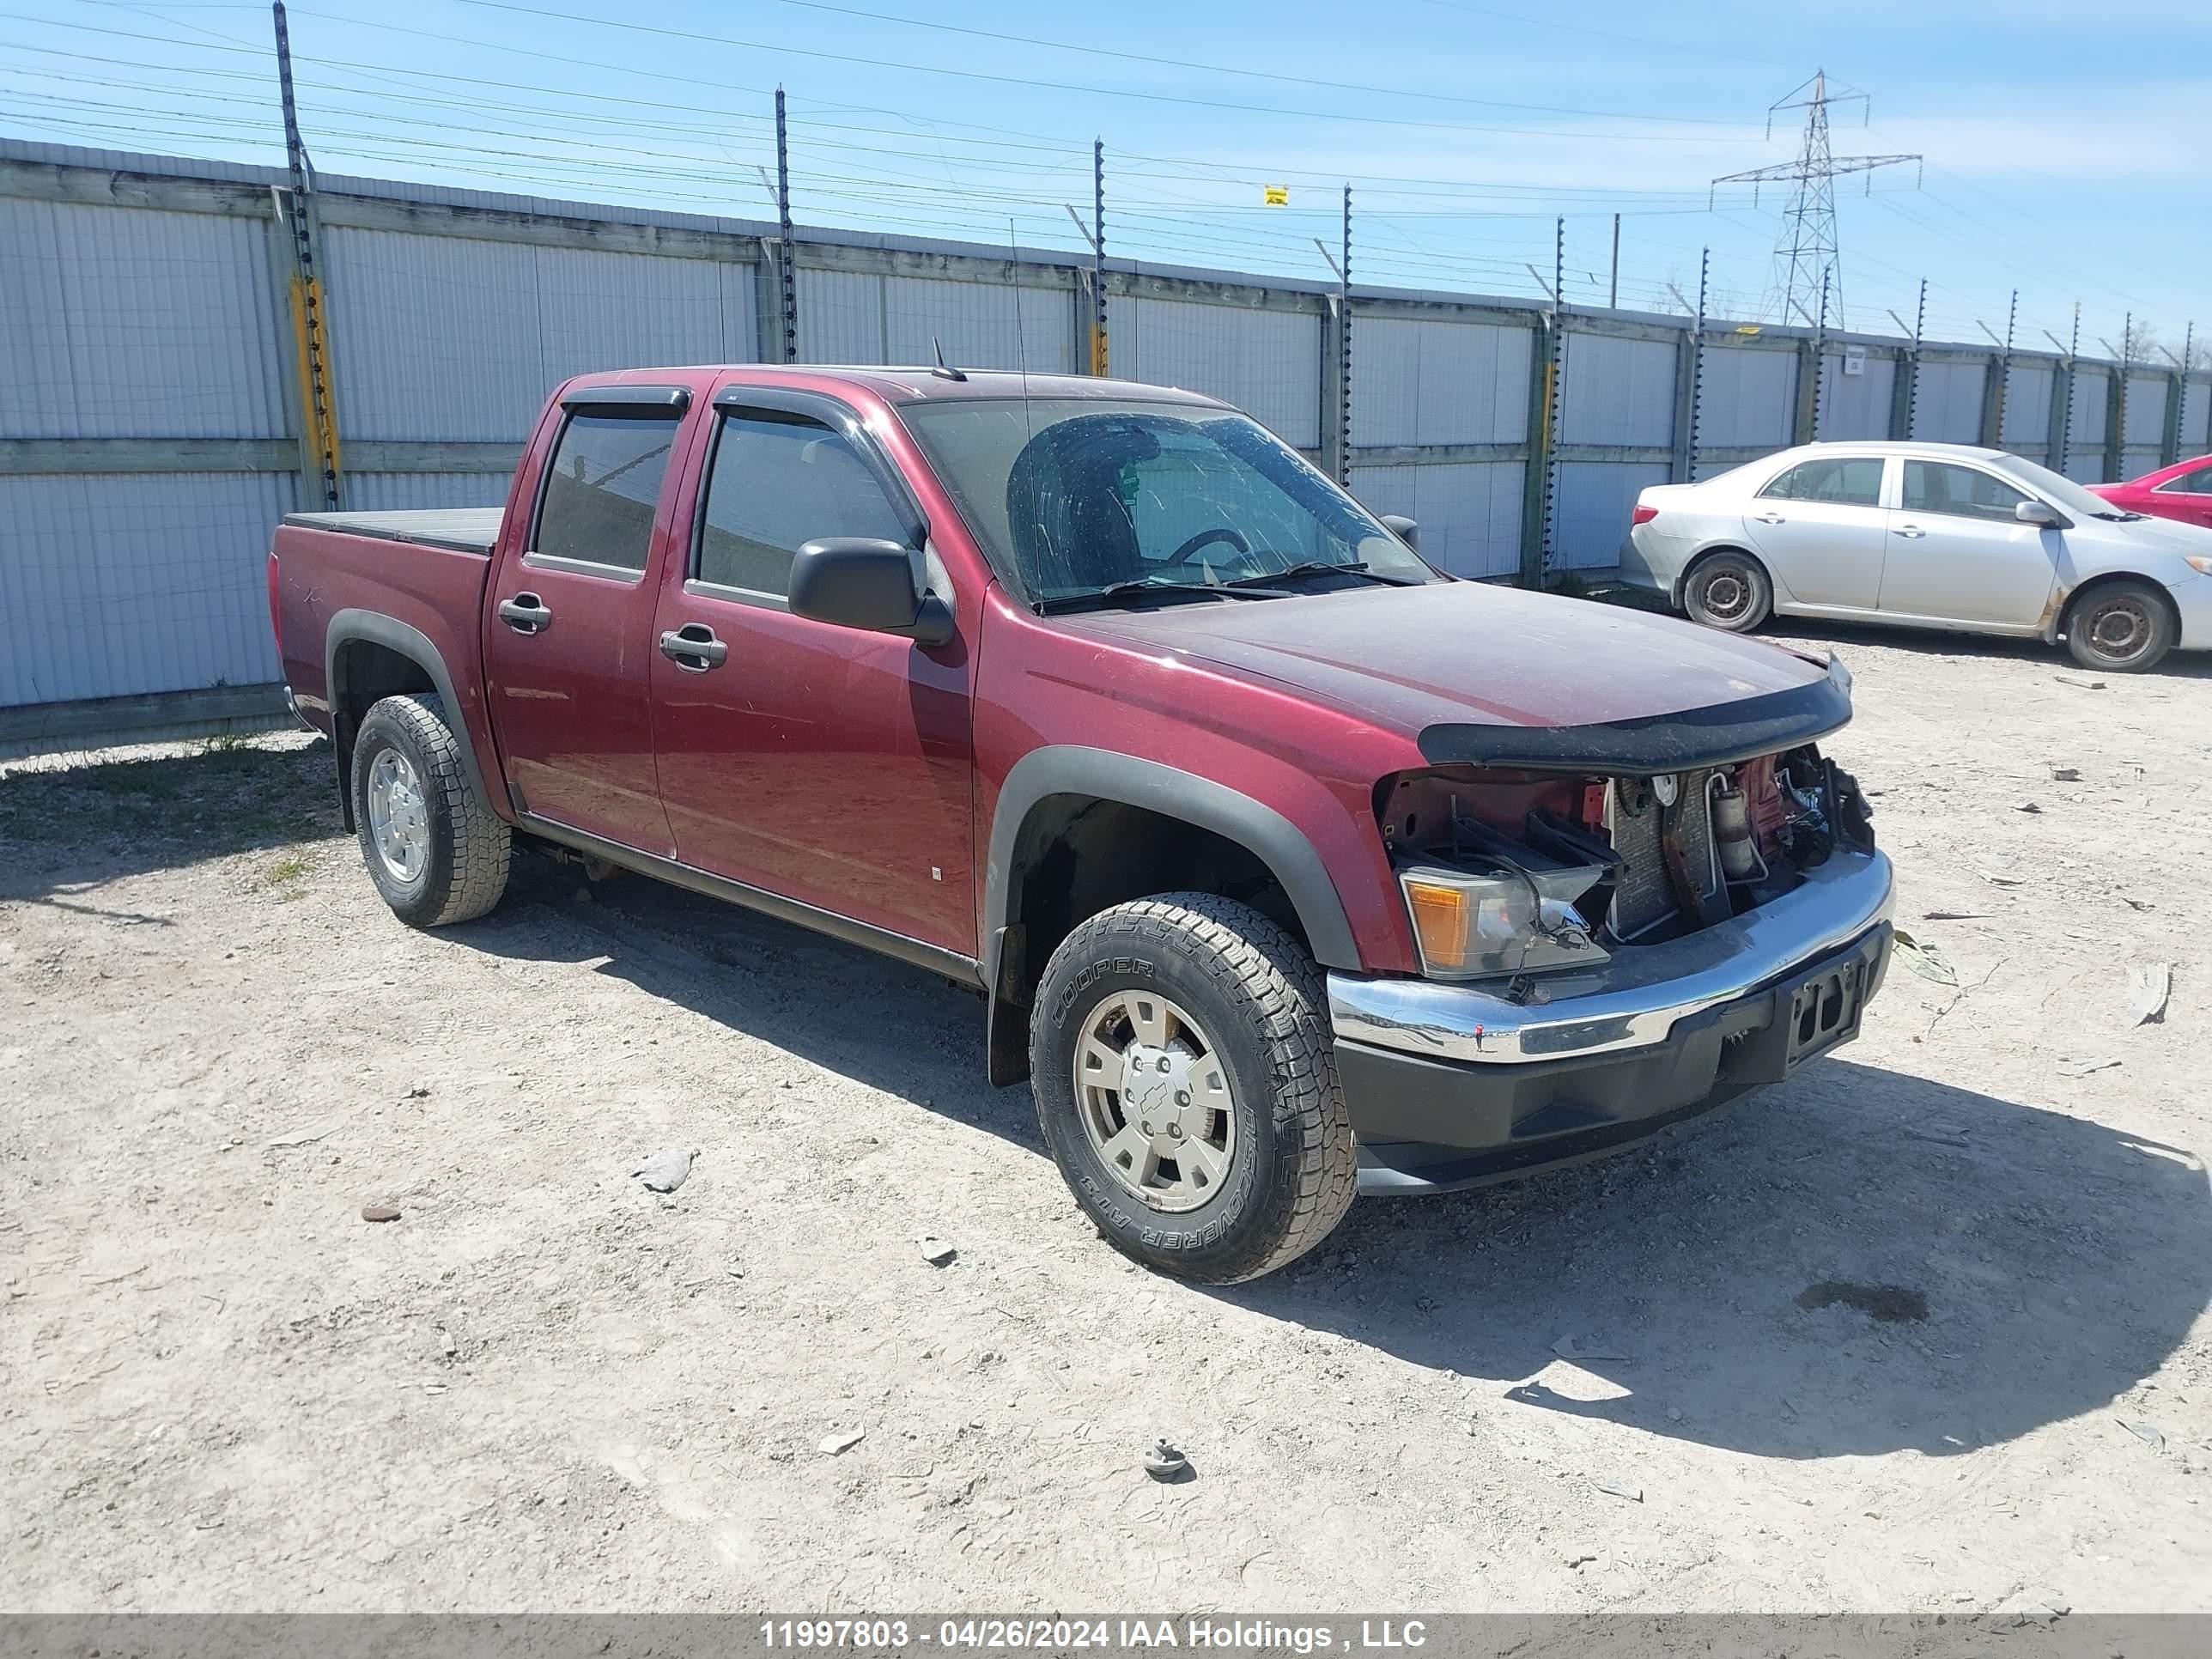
1404 529
857 582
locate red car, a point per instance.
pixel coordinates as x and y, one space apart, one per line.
2182 491
1282 864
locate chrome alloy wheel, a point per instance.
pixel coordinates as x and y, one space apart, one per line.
1153 1095
399 820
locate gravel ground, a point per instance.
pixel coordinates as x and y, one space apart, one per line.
1924 1328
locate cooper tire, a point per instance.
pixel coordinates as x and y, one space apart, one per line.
1729 591
437 855
2122 628
1257 1001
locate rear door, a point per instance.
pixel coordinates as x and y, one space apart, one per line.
827 765
1957 554
568 647
1819 525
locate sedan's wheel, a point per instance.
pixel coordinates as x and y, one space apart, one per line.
1728 591
1186 1083
2122 629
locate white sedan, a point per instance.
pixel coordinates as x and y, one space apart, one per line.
1925 536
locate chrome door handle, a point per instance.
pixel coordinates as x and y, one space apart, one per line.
525 613
694 648
1770 518
1908 531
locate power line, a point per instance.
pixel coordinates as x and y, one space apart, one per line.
1152 60
980 75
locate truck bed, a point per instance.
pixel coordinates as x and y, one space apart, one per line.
458 529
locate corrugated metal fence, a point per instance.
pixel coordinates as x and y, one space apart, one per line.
149 415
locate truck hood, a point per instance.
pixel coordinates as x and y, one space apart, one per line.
1499 675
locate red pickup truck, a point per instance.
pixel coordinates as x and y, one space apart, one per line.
1287 866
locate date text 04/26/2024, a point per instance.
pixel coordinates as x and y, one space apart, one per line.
1107 1634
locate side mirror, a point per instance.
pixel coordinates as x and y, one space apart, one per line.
857 582
1404 529
2038 513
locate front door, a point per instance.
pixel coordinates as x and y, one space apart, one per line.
827 765
1957 554
566 653
1818 527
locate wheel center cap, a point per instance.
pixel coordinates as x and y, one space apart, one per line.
1156 1095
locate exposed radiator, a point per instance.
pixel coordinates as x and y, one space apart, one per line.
1643 898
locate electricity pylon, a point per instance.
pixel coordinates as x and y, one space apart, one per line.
1805 256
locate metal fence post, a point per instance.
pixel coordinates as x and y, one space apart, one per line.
1098 350
1998 387
1344 356
2177 400
1904 391
787 262
321 481
1689 385
1812 363
1539 481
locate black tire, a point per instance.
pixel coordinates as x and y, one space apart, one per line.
464 870
1260 998
2121 627
1728 590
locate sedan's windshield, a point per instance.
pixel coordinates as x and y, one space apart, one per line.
1077 496
2059 491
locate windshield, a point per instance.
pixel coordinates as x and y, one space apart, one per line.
1074 496
2059 491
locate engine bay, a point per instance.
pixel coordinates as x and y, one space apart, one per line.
1509 872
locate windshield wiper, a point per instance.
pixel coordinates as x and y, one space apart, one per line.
2121 518
1321 567
1131 590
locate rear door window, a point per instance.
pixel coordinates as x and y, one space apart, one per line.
603 488
777 482
2198 483
1961 492
1839 480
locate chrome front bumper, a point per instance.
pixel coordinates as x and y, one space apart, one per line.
1633 1000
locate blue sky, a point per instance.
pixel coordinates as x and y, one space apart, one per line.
2061 140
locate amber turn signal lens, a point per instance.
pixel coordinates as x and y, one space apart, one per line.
2200 563
1441 916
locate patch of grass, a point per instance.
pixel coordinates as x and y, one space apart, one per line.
284 879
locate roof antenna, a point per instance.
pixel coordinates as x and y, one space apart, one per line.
943 371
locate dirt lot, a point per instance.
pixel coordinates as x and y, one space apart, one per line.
545 1387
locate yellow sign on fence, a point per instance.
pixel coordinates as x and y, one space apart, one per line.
1275 194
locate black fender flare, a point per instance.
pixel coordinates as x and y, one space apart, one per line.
1109 774
375 628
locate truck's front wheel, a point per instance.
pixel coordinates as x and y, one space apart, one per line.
436 852
1185 1082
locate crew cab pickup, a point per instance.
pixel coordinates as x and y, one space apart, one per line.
1287 866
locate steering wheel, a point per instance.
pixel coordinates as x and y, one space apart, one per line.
1220 533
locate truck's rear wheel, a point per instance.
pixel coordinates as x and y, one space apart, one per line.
436 852
1185 1082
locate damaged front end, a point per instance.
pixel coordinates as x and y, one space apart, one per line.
1512 874
1616 926
1525 849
